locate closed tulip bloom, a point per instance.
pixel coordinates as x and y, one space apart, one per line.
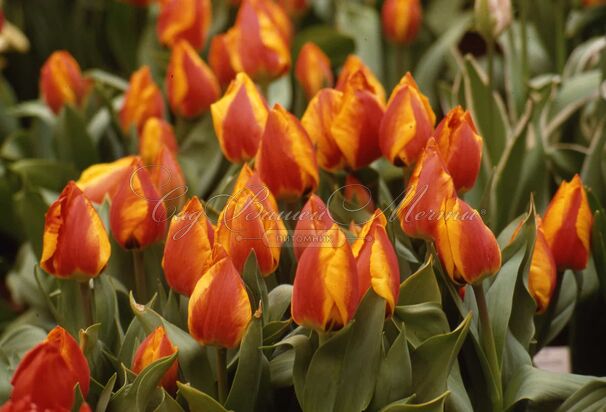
353 64
492 17
355 128
219 309
313 220
355 192
295 8
75 244
191 85
61 81
274 12
156 133
250 180
137 215
313 69
286 160
467 248
239 119
407 124
188 252
401 20
377 262
47 375
325 293
142 101
102 179
220 60
317 121
184 20
157 346
567 225
592 3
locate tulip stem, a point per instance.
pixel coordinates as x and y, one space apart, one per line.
85 294
140 280
222 373
550 313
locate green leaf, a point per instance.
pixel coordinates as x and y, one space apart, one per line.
106 394
423 321
31 208
256 284
334 43
46 173
420 287
278 301
405 405
591 173
72 142
302 355
35 109
108 79
591 397
199 401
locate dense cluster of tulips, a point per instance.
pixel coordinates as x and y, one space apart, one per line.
294 271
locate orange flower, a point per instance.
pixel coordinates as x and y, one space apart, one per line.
407 124
142 100
294 8
467 248
355 192
61 81
567 225
239 119
325 292
353 64
219 58
47 375
191 86
313 69
592 3
139 3
401 20
156 133
377 262
312 221
286 160
219 308
75 243
102 179
156 346
188 249
184 20
137 214
460 147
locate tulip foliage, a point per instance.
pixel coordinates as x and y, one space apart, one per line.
268 205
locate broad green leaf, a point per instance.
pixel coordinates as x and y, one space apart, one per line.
256 285
31 208
33 109
420 287
46 173
199 401
72 142
423 321
278 301
406 405
591 397
302 347
106 394
591 173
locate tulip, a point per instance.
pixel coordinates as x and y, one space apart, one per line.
407 124
75 244
317 121
312 221
156 133
156 346
61 81
286 160
567 225
191 86
313 69
101 180
47 375
239 119
429 187
401 20
542 276
325 292
295 8
272 11
219 308
377 262
460 147
184 20
353 64
139 3
250 180
467 248
355 128
137 214
220 60
593 3
142 101
356 192
188 249
492 17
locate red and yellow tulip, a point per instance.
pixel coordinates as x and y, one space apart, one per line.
401 20
355 192
188 20
312 221
353 64
313 70
142 101
102 179
154 347
61 81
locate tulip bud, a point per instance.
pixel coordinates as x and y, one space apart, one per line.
355 128
142 101
102 179
295 8
325 292
137 215
191 86
312 221
355 192
460 147
220 60
467 248
317 121
407 124
492 17
156 346
542 276
47 375
184 20
567 225
239 119
313 69
219 308
61 81
354 64
156 133
401 20
250 180
593 3
377 262
189 247
286 160
75 243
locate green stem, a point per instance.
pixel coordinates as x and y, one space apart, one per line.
560 36
550 313
524 42
140 279
85 294
222 373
